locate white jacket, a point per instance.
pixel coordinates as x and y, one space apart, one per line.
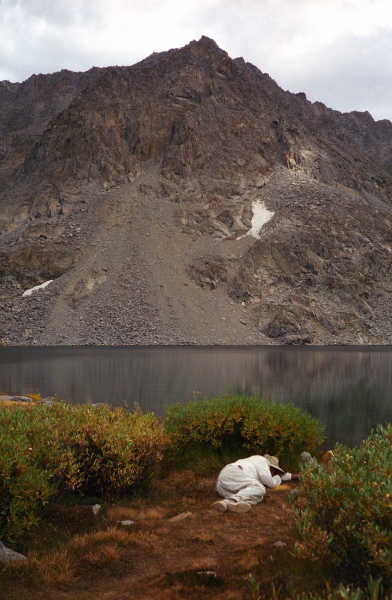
257 467
244 480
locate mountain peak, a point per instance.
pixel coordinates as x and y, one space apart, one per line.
143 192
206 42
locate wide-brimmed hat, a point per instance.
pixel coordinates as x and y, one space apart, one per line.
273 462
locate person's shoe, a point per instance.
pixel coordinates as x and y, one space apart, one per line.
220 506
238 507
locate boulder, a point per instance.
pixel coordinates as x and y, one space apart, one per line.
15 398
7 555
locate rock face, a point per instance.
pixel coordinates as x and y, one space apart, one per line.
137 190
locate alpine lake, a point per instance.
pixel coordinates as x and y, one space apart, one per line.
349 389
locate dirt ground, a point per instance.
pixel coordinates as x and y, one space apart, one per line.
206 554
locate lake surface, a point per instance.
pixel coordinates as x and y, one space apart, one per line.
349 389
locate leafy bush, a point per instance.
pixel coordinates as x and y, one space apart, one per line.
344 517
114 450
49 450
243 424
375 591
24 489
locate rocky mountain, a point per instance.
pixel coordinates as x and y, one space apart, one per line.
188 199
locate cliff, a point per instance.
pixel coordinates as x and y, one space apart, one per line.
189 199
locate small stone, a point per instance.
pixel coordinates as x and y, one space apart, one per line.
308 460
127 522
305 457
279 544
201 486
96 509
180 517
47 401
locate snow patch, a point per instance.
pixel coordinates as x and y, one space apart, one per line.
37 287
261 216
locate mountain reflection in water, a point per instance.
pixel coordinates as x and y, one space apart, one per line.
347 388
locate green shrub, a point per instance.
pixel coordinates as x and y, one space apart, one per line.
46 451
344 517
115 451
24 488
31 466
244 425
374 591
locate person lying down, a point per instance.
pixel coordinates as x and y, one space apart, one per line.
243 482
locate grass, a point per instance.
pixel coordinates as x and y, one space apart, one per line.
79 552
207 554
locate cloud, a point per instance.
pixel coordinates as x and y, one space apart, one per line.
43 36
350 75
336 51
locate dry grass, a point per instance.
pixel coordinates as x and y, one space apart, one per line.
123 513
57 569
104 536
203 538
14 403
156 559
146 537
107 553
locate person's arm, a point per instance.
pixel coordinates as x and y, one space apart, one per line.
265 476
264 473
289 476
271 481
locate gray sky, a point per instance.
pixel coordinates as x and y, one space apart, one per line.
336 51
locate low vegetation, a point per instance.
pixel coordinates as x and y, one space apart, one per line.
50 451
234 425
344 518
57 461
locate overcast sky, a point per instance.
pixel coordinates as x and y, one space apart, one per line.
336 51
